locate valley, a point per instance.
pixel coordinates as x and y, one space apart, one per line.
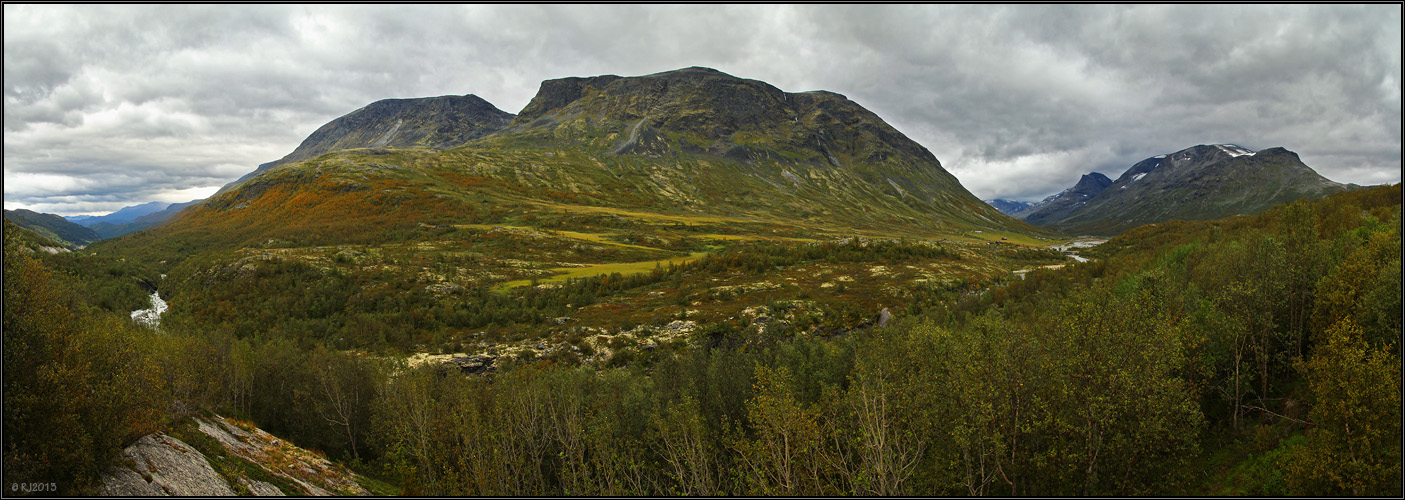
689 283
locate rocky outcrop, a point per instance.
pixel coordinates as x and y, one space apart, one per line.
474 364
316 476
260 488
160 465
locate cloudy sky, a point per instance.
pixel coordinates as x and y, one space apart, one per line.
114 105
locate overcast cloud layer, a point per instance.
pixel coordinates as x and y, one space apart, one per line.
114 105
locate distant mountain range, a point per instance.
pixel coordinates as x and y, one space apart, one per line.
80 230
121 216
113 230
1197 183
1008 207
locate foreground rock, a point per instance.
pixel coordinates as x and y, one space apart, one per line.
160 465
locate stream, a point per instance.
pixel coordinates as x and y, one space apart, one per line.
1067 249
151 317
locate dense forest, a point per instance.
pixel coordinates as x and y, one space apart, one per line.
1254 355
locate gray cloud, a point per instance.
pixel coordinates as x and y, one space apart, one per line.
114 105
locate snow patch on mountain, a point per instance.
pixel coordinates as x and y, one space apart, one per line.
1234 151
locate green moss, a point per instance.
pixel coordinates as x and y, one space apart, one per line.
377 487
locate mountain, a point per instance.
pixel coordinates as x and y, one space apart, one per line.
122 216
688 142
1197 183
1008 207
1066 202
718 142
430 122
53 227
113 230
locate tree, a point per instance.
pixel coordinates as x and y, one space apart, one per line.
1354 448
683 445
79 384
783 457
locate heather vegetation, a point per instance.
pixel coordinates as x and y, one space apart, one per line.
1251 355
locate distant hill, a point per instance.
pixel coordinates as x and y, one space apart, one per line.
1198 183
53 227
1008 207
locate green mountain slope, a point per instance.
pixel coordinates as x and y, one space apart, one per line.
53 227
1198 183
734 144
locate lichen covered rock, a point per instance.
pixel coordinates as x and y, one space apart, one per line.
160 465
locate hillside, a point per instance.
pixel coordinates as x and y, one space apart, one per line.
53 227
1198 183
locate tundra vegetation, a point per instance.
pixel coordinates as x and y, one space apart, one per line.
1254 355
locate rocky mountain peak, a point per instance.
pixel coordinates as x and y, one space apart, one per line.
1088 187
711 112
1092 183
431 122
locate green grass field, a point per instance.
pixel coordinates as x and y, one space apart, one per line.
625 268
